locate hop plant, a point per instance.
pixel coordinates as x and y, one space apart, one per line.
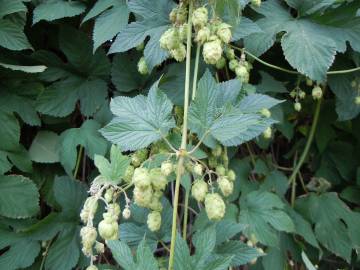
167 168
224 32
212 51
198 169
242 73
92 267
158 179
233 64
199 190
357 100
89 209
267 133
154 221
142 66
220 170
309 82
265 112
230 53
179 53
231 175
217 151
214 206
200 17
126 213
129 173
88 236
108 228
142 197
203 35
297 106
225 185
256 3
114 210
109 195
317 93
141 178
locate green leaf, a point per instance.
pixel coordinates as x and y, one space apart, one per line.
218 263
242 253
20 255
122 254
5 165
270 85
307 7
145 258
182 260
9 7
333 222
65 251
87 136
110 23
115 169
263 213
98 8
213 114
9 133
139 121
54 9
44 149
124 73
19 197
27 69
12 36
316 48
204 242
155 21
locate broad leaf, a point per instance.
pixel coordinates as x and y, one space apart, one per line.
139 121
44 149
19 197
12 36
9 7
122 254
263 213
87 136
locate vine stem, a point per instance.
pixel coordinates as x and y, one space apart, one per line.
183 140
304 154
196 70
333 72
78 161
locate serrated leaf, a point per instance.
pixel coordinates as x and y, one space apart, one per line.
242 253
19 197
9 7
212 113
218 263
87 136
55 9
44 149
122 254
12 36
182 260
20 255
245 28
155 21
263 213
139 121
316 53
204 242
110 23
145 258
256 102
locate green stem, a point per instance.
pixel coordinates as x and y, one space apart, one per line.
45 254
251 154
78 161
186 213
196 69
334 72
183 140
307 146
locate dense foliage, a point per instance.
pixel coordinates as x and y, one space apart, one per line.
180 135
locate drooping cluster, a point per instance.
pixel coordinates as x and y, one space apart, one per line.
240 67
297 94
210 186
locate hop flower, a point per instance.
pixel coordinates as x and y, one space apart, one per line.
179 53
231 175
200 17
203 35
256 3
89 209
108 228
221 63
183 30
142 66
357 100
88 237
142 197
114 210
225 185
155 204
126 213
214 206
316 93
224 32
230 54
129 173
92 267
265 112
297 106
99 247
141 178
302 94
233 64
167 168
178 15
158 180
217 151
220 170
293 94
154 221
140 47
212 51
212 161
198 169
109 194
241 71
199 190
170 40
267 133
